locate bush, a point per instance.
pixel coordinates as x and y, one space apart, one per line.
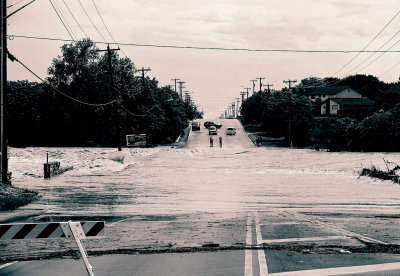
12 197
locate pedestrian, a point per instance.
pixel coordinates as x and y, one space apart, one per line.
258 141
211 142
220 141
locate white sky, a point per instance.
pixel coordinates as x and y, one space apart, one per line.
216 77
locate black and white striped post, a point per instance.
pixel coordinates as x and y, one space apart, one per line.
55 230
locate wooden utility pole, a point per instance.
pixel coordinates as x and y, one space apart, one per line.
254 85
233 109
175 83
290 83
260 82
242 94
3 96
180 88
268 85
114 93
290 110
237 107
247 92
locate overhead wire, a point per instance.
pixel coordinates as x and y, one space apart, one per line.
384 44
13 58
378 57
73 39
387 24
76 21
102 20
64 18
12 5
390 69
94 25
211 48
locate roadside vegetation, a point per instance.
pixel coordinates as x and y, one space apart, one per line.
13 197
391 172
41 116
271 114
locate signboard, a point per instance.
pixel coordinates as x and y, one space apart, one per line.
136 140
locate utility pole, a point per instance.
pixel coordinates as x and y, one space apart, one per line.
290 83
237 107
187 97
180 88
242 94
113 92
268 85
146 98
175 83
254 84
247 92
260 82
4 140
290 111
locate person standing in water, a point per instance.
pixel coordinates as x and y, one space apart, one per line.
220 141
211 142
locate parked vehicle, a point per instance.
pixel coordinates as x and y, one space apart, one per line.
230 131
195 126
210 123
212 130
229 117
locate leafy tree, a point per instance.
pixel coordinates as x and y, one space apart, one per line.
276 110
82 73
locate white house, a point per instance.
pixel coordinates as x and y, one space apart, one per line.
324 93
346 106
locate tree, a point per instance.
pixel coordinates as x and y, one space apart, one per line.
81 73
276 110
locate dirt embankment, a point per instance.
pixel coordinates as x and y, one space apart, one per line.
13 197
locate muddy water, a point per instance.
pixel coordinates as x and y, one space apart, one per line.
169 197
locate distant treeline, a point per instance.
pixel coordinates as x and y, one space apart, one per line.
39 115
377 132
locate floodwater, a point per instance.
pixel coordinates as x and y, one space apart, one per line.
171 197
235 178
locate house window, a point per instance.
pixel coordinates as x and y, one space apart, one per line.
335 107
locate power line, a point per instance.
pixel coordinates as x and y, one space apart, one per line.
344 66
64 18
390 69
212 48
12 5
378 57
106 26
62 21
76 21
92 21
12 58
387 41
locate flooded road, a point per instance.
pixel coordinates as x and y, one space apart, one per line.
181 197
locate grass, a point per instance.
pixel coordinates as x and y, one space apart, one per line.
12 197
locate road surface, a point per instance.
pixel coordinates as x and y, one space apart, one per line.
234 210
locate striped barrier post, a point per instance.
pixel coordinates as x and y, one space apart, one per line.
55 230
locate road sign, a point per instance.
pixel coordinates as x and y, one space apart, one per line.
50 230
56 230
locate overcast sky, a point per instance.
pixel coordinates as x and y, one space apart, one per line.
215 77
